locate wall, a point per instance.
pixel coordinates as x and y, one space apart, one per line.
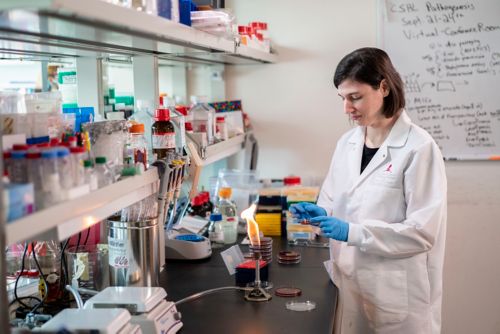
298 118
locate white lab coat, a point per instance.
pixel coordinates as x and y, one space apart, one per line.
389 273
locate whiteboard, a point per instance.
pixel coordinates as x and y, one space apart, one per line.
448 55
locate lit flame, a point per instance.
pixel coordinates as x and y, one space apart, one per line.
252 226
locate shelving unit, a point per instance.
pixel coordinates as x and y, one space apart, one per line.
95 28
92 30
65 219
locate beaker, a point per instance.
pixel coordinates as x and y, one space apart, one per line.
88 266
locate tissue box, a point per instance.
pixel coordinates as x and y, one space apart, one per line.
245 272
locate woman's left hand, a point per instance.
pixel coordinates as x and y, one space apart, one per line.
332 227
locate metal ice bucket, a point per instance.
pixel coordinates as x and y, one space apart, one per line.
133 252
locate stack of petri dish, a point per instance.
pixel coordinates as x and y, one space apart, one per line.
287 292
265 249
288 257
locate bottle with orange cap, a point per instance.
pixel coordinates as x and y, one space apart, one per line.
163 134
229 213
139 145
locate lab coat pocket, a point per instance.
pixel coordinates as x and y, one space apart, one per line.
384 296
382 203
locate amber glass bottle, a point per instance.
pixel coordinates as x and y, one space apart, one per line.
163 134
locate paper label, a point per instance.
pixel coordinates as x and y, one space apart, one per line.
164 140
118 256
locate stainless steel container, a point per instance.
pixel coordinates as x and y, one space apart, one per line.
133 252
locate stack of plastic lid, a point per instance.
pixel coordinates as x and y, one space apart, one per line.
265 249
288 257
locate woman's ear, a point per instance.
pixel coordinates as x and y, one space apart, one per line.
384 88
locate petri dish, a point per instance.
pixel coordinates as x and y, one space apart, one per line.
287 262
287 292
301 306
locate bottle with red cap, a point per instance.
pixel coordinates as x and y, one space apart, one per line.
208 206
197 208
221 128
163 134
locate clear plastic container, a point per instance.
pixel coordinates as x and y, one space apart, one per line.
229 216
203 118
90 176
244 184
17 172
77 169
64 168
50 181
35 175
104 174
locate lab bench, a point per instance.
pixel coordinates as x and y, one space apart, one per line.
228 311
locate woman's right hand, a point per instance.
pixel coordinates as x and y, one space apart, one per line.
305 210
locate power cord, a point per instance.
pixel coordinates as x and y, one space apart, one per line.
16 297
87 237
64 266
42 277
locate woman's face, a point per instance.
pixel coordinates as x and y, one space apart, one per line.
363 103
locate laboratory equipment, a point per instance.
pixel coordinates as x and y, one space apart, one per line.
134 252
171 210
288 257
106 321
230 219
215 231
107 139
88 266
163 134
179 246
147 305
301 306
308 243
257 293
287 292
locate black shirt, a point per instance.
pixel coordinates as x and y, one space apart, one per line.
368 154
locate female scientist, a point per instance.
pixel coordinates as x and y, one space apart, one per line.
383 204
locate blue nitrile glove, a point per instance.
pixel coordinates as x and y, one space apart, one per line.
305 210
332 227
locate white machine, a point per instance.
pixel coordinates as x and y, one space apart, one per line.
147 305
186 246
109 321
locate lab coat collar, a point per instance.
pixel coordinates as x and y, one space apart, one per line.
399 132
397 138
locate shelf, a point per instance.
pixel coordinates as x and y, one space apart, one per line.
96 28
217 151
65 219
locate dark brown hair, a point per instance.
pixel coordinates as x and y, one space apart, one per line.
371 66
